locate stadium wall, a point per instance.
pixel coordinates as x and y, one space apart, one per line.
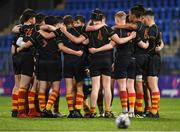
169 86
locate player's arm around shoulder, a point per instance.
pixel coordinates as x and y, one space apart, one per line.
76 40
123 40
67 50
103 48
91 27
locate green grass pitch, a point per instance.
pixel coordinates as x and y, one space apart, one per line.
169 121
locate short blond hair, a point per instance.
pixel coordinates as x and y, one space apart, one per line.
120 14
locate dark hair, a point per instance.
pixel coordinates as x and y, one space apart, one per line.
27 14
68 19
97 15
59 19
51 20
149 12
140 7
40 17
137 10
80 18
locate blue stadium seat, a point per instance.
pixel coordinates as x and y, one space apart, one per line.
161 25
167 11
178 3
177 13
166 38
167 25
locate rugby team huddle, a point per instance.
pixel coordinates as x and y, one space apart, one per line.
91 58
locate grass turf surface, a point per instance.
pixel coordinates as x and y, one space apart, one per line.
169 121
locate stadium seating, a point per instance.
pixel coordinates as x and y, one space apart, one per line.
165 11
5 56
167 14
172 63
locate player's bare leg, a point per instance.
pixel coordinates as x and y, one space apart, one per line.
94 93
31 99
147 99
155 95
106 81
69 96
23 89
79 99
100 100
131 96
139 96
42 95
15 96
52 98
123 94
